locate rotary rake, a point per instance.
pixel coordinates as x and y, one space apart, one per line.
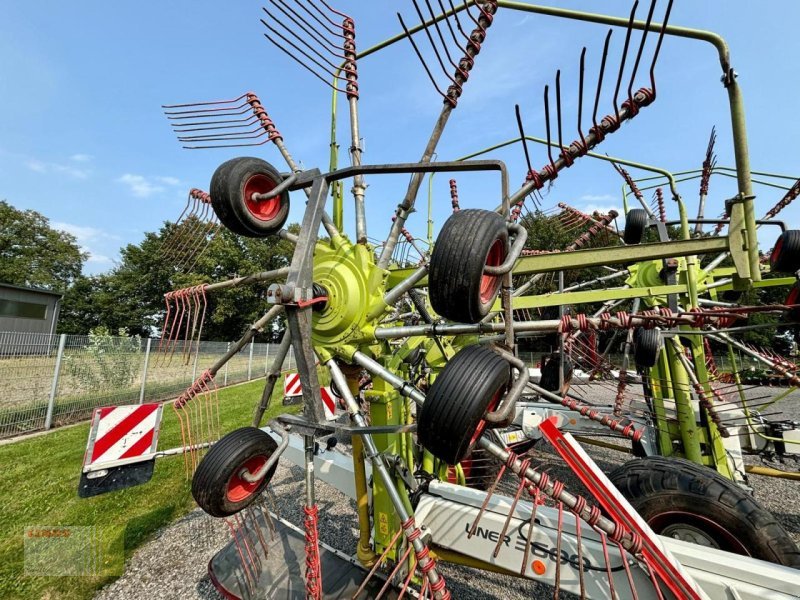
436 326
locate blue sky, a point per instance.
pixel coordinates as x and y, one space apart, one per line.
84 140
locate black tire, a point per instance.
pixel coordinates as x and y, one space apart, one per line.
785 257
792 298
469 240
635 226
232 186
646 346
451 419
550 379
676 497
217 487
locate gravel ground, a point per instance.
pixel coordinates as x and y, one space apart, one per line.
174 564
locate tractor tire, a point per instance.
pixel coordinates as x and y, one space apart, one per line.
232 187
217 486
785 257
451 419
678 498
635 226
459 289
550 379
646 346
793 297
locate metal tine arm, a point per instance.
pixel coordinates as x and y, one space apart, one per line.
609 124
634 188
628 33
466 63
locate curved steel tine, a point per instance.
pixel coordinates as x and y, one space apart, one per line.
207 103
641 49
558 110
289 30
624 55
332 32
200 111
441 37
658 48
580 100
600 77
298 20
449 25
433 44
458 21
522 137
547 126
224 124
333 10
419 55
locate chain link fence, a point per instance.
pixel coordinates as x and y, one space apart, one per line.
53 380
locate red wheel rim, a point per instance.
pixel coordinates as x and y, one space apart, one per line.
481 427
238 489
491 283
263 210
724 538
773 258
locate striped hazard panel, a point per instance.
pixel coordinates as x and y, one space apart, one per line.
122 435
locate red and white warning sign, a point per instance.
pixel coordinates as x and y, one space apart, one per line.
122 435
292 387
328 403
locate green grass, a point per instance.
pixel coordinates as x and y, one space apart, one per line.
39 482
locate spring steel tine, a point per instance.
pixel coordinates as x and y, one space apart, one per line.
558 110
207 125
557 585
333 10
580 98
300 39
600 76
641 49
304 65
547 127
624 55
522 137
441 38
658 48
433 44
611 589
458 21
449 25
207 103
307 27
317 19
419 56
214 228
239 109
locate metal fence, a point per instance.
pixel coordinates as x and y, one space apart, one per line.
52 380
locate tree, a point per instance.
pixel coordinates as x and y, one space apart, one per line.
34 254
131 297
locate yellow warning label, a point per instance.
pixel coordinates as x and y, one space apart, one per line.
389 412
383 523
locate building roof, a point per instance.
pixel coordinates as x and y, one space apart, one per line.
31 289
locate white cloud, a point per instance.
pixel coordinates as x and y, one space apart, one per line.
99 258
597 198
144 187
87 237
81 157
47 167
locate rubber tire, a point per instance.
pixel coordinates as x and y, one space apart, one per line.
793 297
549 378
223 460
458 400
456 268
785 257
646 346
656 485
635 226
228 198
